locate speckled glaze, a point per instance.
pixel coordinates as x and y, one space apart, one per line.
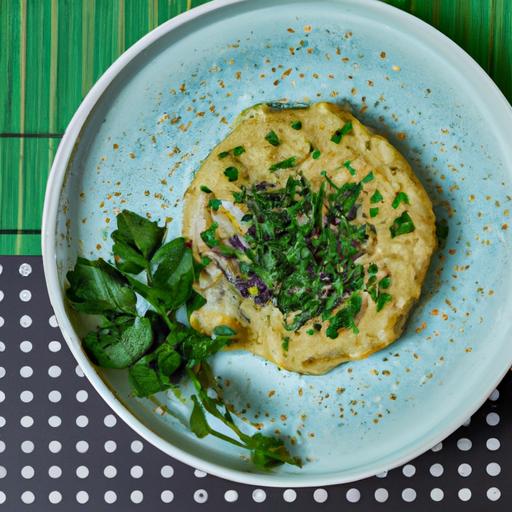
144 130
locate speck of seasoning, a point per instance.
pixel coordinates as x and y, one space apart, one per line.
504 227
271 393
276 82
131 155
308 28
107 220
283 417
395 67
291 30
183 87
392 396
300 391
382 55
434 312
401 136
238 75
102 204
146 193
115 146
98 247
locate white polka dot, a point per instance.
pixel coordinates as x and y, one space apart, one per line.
136 496
79 371
110 497
53 321
167 471
82 421
467 423
353 495
1 268
464 494
136 446
381 495
320 495
436 469
3 472
438 447
55 497
110 420
25 269
464 470
1 295
136 471
54 346
167 496
409 470
493 494
110 446
2 321
2 372
492 419
28 497
82 395
2 396
258 495
2 421
54 396
82 446
289 495
27 446
54 472
26 346
26 371
199 474
2 446
54 371
464 444
27 472
25 321
408 494
493 469
384 474
54 421
436 494
25 295
493 444
110 471
26 421
55 446
3 497
494 395
82 471
2 346
82 497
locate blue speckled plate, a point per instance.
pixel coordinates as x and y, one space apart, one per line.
143 131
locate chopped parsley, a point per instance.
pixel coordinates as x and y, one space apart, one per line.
214 204
223 154
401 197
310 332
375 288
272 138
369 177
402 225
316 154
238 150
284 164
286 343
296 125
341 132
349 168
205 189
374 212
376 197
208 236
231 173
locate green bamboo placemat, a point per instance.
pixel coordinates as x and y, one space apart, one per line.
52 51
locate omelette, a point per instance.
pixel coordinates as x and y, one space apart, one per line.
312 235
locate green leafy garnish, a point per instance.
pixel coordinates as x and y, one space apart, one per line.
231 173
316 154
402 225
238 150
374 212
208 236
284 164
345 317
205 189
296 125
382 300
272 138
401 197
369 177
286 343
214 204
341 132
376 197
350 169
223 154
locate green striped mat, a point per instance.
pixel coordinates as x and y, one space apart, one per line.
52 52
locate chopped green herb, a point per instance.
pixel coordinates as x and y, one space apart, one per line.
223 154
310 332
382 300
272 138
402 225
296 125
369 177
286 343
341 132
284 164
345 317
373 268
374 212
205 189
401 197
231 173
376 197
214 204
350 169
316 154
208 236
238 150
385 282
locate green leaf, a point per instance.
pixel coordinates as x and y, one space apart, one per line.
268 452
214 204
272 138
374 212
194 303
401 197
341 132
198 424
376 197
208 236
296 125
345 317
98 288
119 346
284 164
239 150
385 282
402 225
197 347
231 173
382 300
350 169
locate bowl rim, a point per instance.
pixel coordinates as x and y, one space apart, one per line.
445 46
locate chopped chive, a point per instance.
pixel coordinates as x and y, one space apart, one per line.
350 169
341 132
296 125
205 189
316 154
376 197
238 150
284 164
223 154
231 173
272 138
401 197
369 177
374 212
214 204
402 225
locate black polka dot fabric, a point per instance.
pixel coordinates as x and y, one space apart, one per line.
62 449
